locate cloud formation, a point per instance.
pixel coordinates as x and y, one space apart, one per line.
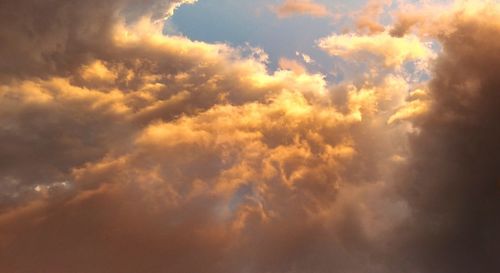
367 19
453 182
301 7
391 51
56 37
125 150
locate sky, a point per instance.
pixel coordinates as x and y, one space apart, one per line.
257 24
218 136
280 32
261 24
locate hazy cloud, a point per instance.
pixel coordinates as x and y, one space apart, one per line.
301 7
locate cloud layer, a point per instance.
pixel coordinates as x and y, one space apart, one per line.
125 150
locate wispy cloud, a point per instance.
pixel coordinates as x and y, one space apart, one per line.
301 7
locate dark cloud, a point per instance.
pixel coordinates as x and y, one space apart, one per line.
453 173
54 37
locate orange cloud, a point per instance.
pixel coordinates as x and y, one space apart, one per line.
301 7
291 65
367 19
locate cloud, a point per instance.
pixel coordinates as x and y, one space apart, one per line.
452 179
158 153
56 37
391 52
301 7
306 58
292 65
367 19
145 152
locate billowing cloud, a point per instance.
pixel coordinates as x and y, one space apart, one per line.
301 7
452 175
125 150
56 37
186 151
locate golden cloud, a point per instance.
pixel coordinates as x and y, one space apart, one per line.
392 51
